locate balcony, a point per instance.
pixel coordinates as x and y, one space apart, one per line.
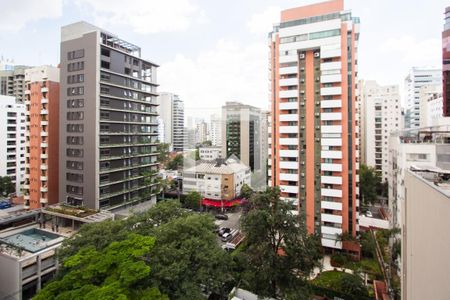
44 189
44 167
288 105
288 153
331 205
27 92
44 145
292 189
331 179
27 102
288 117
331 218
288 81
331 167
44 200
43 122
26 186
289 94
44 155
44 100
44 90
44 112
288 177
288 129
44 133
43 178
289 141
26 197
331 193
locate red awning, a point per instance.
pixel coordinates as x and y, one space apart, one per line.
219 203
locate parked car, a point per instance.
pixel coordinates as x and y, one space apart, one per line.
221 217
226 237
223 230
4 204
369 214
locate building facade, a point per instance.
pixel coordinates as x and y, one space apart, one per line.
381 116
201 132
41 186
219 179
210 153
171 113
12 82
315 134
425 238
416 79
446 63
108 120
431 105
12 136
425 147
215 130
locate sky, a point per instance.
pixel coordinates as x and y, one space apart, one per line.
211 52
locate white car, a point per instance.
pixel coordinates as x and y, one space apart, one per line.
369 214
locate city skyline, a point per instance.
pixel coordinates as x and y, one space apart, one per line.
234 46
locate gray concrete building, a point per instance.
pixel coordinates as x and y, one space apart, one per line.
244 134
108 120
12 82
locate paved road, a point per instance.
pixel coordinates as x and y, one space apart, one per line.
232 222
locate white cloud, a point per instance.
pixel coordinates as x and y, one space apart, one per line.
410 50
17 13
263 22
227 72
145 16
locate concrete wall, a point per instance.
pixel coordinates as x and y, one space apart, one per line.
9 278
425 241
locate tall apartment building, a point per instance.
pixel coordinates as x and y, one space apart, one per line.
215 130
12 137
424 147
381 116
201 132
425 238
41 186
171 113
12 82
431 105
108 120
446 63
416 79
314 138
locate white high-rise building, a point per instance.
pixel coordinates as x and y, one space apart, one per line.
12 137
201 132
215 130
381 115
431 105
416 79
171 123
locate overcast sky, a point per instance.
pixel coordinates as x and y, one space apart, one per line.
214 51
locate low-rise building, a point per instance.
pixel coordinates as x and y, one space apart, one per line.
425 237
28 253
210 153
218 181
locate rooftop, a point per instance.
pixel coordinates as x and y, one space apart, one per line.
32 240
426 135
219 166
436 177
82 214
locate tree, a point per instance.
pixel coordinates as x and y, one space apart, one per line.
187 258
184 260
163 153
163 184
369 182
6 186
353 285
176 163
193 200
120 271
279 254
246 191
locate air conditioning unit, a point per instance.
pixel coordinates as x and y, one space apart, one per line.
302 186
302 127
302 92
302 69
317 127
302 55
302 162
302 103
317 139
302 80
317 79
316 54
317 114
317 102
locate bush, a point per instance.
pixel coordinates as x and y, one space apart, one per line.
338 260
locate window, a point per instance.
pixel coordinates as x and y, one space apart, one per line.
75 91
76 115
105 52
74 165
79 78
75 103
75 66
74 177
78 190
75 127
75 140
75 54
104 64
74 152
